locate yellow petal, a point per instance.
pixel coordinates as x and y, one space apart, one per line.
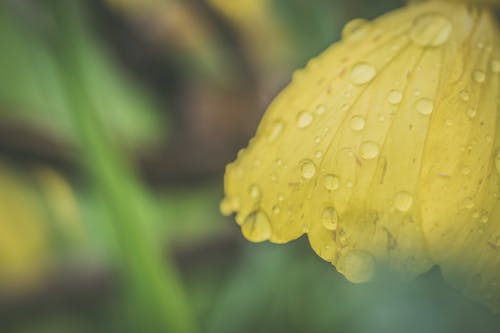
355 151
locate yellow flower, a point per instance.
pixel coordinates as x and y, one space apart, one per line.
385 151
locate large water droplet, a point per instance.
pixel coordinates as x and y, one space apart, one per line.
425 106
369 150
395 97
276 131
254 191
329 218
357 123
331 182
308 169
478 76
431 30
304 119
357 266
403 201
362 73
256 227
355 27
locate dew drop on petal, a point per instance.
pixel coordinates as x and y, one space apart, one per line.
431 30
329 218
369 150
304 119
478 76
395 97
464 95
362 73
276 209
320 109
354 27
425 106
256 227
357 266
468 203
403 201
331 182
276 131
357 123
471 113
308 169
254 191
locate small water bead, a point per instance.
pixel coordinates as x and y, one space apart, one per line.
495 66
331 182
403 201
308 169
349 184
468 203
276 131
369 150
425 106
281 197
329 218
257 227
417 92
478 76
357 123
320 109
355 27
475 214
431 30
279 162
276 209
357 266
304 119
464 95
466 171
254 192
274 177
318 154
471 113
395 97
484 219
362 73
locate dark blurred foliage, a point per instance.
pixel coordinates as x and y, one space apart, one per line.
119 116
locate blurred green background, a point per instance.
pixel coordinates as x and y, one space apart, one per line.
117 118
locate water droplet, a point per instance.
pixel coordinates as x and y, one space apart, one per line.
279 162
318 154
466 171
256 227
281 197
478 76
274 177
495 66
369 150
357 266
331 182
225 207
425 106
276 209
329 218
357 123
362 73
468 203
431 30
254 191
304 119
417 92
355 27
471 112
395 97
276 131
464 95
308 169
484 219
320 109
403 201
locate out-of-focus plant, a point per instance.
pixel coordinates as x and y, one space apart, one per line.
384 151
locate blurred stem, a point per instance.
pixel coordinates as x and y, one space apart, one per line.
156 291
